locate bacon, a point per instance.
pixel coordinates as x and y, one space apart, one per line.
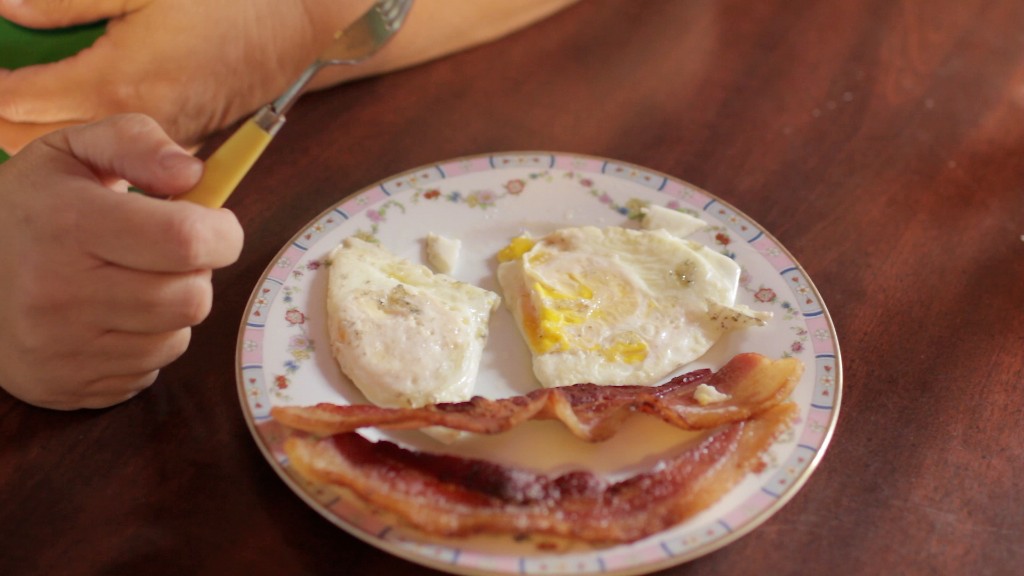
452 496
752 382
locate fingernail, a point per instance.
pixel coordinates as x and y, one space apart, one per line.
175 160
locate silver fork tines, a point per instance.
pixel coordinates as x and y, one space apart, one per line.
393 11
357 42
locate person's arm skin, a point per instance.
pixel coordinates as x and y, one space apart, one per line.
197 66
102 285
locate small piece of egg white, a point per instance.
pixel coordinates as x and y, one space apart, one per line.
707 394
679 224
443 252
737 316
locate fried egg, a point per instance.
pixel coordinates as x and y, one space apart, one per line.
618 306
404 335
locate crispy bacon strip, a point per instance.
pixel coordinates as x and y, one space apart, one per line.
453 496
753 382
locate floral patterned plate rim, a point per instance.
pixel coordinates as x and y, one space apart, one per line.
485 200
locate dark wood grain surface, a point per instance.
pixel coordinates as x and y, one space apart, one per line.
881 141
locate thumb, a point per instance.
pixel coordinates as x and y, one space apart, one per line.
131 147
60 13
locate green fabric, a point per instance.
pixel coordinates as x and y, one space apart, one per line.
20 46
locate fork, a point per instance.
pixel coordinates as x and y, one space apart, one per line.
226 167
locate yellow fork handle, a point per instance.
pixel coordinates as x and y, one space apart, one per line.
226 167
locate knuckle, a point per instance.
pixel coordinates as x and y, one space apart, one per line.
167 348
204 239
183 302
121 94
149 97
196 301
133 124
188 236
177 344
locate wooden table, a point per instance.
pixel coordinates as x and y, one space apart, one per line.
881 142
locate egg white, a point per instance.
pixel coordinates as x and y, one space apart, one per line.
618 306
404 335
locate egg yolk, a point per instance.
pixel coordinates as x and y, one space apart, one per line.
560 309
516 248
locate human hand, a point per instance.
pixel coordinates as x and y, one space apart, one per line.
193 65
197 66
102 285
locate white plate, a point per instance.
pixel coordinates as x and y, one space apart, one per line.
283 356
